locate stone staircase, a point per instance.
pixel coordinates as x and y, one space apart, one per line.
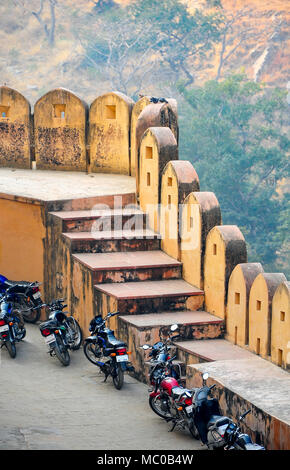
115 263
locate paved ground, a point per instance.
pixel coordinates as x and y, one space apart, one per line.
57 185
45 405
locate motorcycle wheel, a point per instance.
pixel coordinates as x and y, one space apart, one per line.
118 377
61 352
30 316
11 348
22 334
92 352
76 331
155 404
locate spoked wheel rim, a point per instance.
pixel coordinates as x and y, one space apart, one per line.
29 315
155 404
75 331
90 352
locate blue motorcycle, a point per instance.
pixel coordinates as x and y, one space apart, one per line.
25 297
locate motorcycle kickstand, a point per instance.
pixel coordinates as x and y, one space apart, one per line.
173 427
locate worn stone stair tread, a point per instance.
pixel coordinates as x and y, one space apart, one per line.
149 289
184 317
93 214
112 235
126 260
213 349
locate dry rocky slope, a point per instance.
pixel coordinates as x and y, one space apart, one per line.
28 64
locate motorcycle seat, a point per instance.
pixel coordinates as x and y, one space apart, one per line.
115 343
218 420
17 283
178 391
48 324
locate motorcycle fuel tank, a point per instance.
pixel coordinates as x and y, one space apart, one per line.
168 384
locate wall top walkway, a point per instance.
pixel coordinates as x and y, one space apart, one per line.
46 185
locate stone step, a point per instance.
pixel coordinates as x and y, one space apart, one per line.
130 266
137 330
95 221
147 296
111 241
209 350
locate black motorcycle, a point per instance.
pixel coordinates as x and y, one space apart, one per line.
25 296
215 430
104 350
161 352
61 332
11 329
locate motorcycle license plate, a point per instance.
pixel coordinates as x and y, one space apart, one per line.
189 409
4 328
49 339
122 358
36 295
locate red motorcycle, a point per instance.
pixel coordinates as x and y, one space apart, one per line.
168 398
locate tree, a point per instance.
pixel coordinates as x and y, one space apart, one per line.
237 139
147 39
48 30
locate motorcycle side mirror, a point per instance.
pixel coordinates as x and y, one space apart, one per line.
174 327
145 347
205 376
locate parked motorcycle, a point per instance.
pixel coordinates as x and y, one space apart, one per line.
11 330
61 332
108 353
215 430
168 398
161 351
25 296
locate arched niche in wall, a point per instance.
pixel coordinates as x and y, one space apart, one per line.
15 129
60 120
155 115
260 312
280 338
179 178
109 133
225 248
240 284
158 146
200 213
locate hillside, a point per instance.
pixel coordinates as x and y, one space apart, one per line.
28 63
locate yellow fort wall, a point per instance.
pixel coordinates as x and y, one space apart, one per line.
280 342
137 109
155 115
225 248
260 312
22 240
15 129
158 146
200 213
109 134
179 178
60 131
237 318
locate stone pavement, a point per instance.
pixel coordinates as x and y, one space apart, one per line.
45 405
57 185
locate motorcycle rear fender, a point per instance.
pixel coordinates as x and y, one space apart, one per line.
91 339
